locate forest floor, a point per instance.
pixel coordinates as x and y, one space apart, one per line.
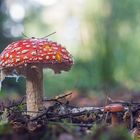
73 116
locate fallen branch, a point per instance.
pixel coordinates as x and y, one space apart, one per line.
126 103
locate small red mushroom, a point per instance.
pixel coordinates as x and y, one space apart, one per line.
28 58
114 109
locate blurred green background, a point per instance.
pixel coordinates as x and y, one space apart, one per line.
102 35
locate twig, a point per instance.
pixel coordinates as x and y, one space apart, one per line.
123 102
56 98
71 113
73 124
48 35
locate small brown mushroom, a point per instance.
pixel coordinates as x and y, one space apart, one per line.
114 109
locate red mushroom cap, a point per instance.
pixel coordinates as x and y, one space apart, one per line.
114 108
30 51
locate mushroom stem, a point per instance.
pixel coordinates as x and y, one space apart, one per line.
34 89
114 119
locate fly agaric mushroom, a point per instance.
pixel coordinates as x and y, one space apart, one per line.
114 109
28 58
